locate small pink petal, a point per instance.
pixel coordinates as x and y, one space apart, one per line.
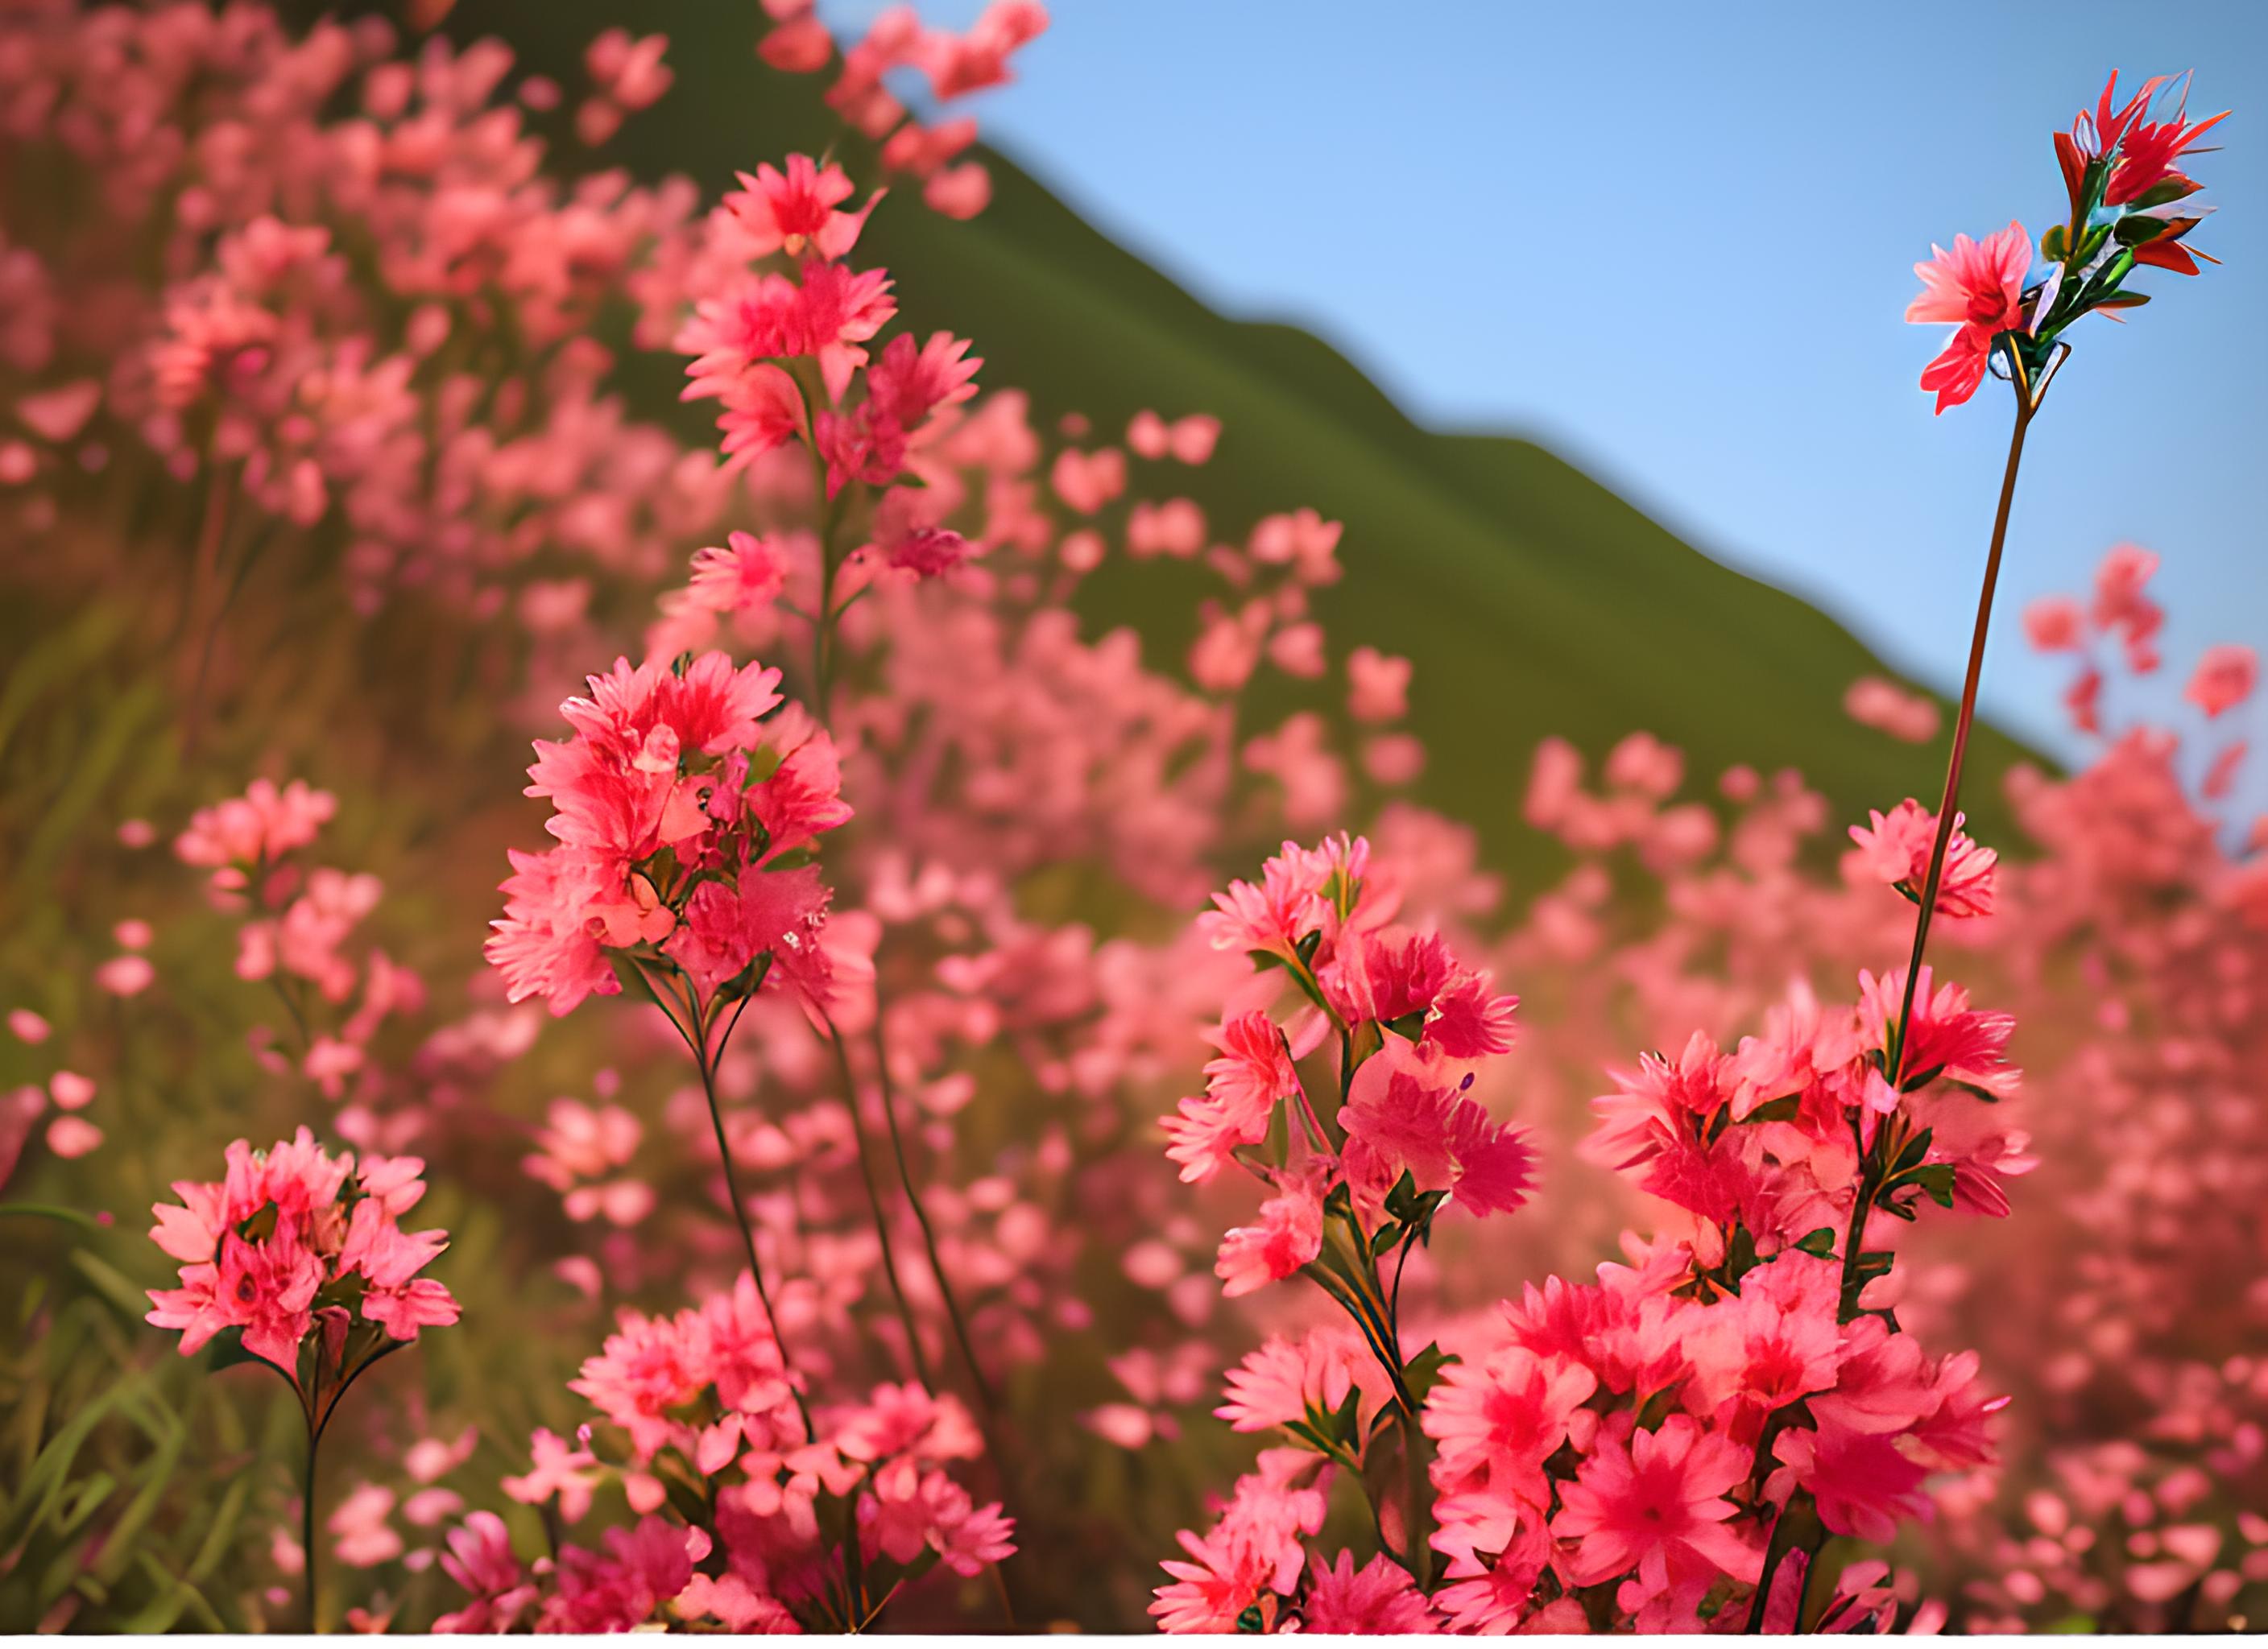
70 1136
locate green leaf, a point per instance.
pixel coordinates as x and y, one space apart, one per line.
1424 1371
1936 1178
2164 194
1820 1242
1779 1110
2138 229
747 982
2056 244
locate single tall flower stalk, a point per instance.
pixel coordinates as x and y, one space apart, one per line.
2129 210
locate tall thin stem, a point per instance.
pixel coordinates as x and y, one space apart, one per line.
696 1036
2026 409
1873 1161
307 1524
748 1237
921 1216
874 1201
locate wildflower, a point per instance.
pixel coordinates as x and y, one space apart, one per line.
1978 288
1655 1504
478 1556
1896 850
787 211
259 1245
747 573
1379 1597
1290 1234
1399 1122
1496 1420
2224 678
1252 1558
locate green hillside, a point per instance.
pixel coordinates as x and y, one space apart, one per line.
1536 600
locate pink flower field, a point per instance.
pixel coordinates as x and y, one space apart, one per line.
675 960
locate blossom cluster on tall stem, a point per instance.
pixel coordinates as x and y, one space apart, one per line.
299 1255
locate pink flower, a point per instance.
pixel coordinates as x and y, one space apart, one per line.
1978 288
747 573
1290 1233
544 944
1775 1342
254 830
1864 1483
783 210
1254 1555
126 975
1895 849
2224 678
364 1539
1381 1597
1496 1420
1656 1505
1948 1037
1253 1069
479 1558
259 1245
1272 917
569 1474
1284 1380
2054 623
727 927
1398 1122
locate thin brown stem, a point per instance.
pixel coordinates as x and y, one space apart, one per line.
697 1043
307 1525
921 1216
920 1359
1950 802
1875 1161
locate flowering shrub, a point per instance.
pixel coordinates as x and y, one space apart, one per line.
947 1198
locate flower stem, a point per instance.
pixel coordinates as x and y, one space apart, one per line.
920 1215
874 1202
307 1524
2026 409
1875 1159
748 1238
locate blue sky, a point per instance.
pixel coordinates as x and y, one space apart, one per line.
1673 242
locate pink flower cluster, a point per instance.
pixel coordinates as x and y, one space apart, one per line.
302 1253
685 823
954 66
251 843
809 1527
1409 1026
782 353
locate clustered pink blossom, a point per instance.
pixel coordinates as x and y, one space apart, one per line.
954 66
301 1252
675 806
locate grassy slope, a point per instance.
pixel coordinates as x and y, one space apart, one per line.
1536 600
